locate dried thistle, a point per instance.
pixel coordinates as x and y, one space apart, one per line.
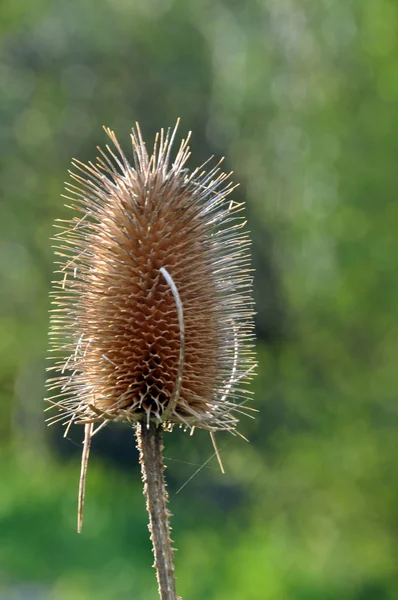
153 317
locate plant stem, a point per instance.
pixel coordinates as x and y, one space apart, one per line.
150 446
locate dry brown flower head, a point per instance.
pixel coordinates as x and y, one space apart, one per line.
153 311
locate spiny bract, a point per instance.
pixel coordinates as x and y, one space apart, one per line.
153 315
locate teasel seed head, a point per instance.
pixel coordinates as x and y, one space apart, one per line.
153 310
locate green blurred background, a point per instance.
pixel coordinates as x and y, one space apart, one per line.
301 97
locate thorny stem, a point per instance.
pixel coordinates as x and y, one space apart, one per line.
150 446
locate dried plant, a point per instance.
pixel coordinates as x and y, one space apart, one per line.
153 316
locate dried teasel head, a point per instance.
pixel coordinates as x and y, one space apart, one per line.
153 316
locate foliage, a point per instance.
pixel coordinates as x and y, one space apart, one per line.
301 98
